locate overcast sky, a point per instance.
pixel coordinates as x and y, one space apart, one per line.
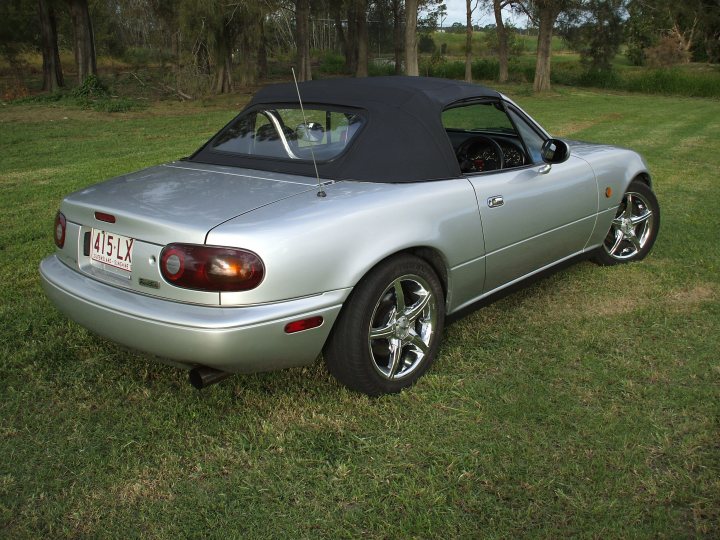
483 14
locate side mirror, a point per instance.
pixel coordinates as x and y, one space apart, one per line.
555 151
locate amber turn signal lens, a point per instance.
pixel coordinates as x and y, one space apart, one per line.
608 192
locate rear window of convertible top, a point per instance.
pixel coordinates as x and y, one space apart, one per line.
283 132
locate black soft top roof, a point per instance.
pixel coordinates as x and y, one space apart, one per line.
403 139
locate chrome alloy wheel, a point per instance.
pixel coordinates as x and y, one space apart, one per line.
631 229
402 326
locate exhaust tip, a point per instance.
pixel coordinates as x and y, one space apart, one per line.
201 377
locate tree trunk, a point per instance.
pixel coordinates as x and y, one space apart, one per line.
247 66
84 40
468 41
398 35
302 39
544 49
362 35
411 54
223 61
351 50
52 68
337 17
502 35
262 62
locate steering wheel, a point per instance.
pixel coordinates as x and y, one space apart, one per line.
472 155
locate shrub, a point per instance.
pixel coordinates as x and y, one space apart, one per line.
92 87
332 63
669 51
426 44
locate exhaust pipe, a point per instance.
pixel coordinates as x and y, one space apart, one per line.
202 376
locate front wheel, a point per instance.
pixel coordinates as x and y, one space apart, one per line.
634 229
388 333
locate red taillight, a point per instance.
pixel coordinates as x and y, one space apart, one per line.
303 324
209 268
60 225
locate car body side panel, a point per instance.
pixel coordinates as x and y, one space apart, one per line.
313 244
544 217
614 168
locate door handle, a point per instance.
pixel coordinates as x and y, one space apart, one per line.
495 201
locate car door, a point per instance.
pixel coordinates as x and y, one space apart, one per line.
533 218
533 214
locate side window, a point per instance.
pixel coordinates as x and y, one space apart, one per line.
483 137
533 140
487 116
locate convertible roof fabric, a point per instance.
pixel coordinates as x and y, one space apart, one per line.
403 139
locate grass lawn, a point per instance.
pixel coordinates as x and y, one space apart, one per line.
585 405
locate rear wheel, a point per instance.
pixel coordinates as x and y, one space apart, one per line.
634 228
388 332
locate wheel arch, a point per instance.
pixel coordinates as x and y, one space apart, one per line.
645 178
430 255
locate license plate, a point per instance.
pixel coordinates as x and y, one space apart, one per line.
112 249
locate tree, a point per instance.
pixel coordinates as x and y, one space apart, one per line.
361 34
52 68
502 35
544 13
595 30
83 39
302 39
411 54
17 21
692 26
469 8
398 34
215 27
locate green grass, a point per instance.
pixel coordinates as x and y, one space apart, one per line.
585 405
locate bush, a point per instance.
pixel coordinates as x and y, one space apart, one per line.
669 51
426 44
332 63
673 82
92 87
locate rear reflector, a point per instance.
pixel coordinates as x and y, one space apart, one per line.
102 216
304 324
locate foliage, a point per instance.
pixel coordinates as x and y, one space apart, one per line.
595 30
92 87
332 64
516 45
693 24
668 51
17 32
426 44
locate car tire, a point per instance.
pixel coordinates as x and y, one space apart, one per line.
389 330
634 228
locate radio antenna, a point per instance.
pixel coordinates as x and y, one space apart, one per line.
320 192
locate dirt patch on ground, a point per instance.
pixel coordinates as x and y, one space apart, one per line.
688 299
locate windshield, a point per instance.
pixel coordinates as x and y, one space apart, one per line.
282 132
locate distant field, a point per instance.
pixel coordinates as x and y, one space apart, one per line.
585 405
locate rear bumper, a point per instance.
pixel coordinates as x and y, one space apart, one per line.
236 339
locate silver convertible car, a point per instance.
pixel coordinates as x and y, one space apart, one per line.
347 217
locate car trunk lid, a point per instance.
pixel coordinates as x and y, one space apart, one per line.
178 201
